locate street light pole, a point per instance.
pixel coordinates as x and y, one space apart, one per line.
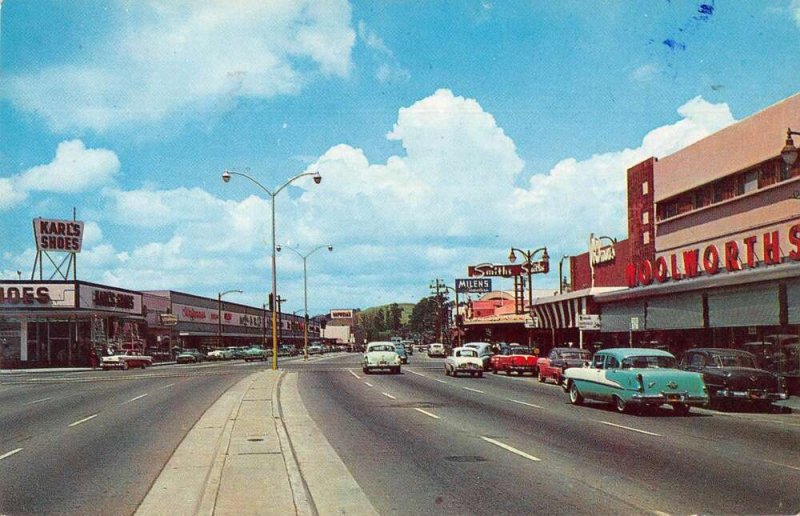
529 255
226 176
305 290
219 314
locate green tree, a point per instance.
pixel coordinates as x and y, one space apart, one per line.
424 318
395 318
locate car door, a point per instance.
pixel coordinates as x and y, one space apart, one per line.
595 380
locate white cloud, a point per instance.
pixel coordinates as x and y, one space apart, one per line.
388 70
795 8
74 169
177 56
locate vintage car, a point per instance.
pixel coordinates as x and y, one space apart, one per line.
190 356
514 359
381 355
436 349
733 377
220 354
463 361
401 351
635 378
125 360
552 366
484 350
256 353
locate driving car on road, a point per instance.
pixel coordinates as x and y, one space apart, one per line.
125 360
733 377
401 350
255 353
552 366
514 359
484 350
190 356
635 378
463 361
436 349
381 355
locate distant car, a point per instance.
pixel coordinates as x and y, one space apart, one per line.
552 366
125 360
401 351
463 361
220 354
436 349
381 356
409 345
484 350
255 353
190 356
514 358
314 350
733 377
635 378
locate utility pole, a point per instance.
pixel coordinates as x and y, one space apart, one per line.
437 286
278 301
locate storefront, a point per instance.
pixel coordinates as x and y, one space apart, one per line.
57 323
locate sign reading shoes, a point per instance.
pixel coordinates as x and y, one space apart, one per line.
58 235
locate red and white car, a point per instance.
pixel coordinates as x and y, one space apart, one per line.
125 360
516 359
559 360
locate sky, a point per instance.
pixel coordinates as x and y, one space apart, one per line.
445 131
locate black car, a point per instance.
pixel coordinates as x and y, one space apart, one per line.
733 377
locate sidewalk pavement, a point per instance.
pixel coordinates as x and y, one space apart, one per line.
256 451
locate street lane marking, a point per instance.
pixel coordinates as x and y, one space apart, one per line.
526 404
134 399
9 454
440 381
166 386
434 416
511 449
38 401
76 423
368 384
767 461
355 375
628 428
416 373
473 390
388 395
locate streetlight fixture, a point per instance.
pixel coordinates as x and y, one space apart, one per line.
529 255
789 153
219 314
305 289
226 177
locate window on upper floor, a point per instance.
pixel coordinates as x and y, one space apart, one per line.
645 188
646 217
646 237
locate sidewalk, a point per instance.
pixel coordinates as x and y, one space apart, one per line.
239 459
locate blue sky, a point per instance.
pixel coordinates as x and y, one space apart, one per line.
445 131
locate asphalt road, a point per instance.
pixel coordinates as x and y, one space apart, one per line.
421 442
94 442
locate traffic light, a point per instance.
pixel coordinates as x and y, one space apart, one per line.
271 302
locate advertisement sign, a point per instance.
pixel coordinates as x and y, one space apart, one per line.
507 271
188 313
58 235
474 286
341 314
37 295
110 300
588 322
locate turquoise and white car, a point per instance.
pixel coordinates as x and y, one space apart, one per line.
634 378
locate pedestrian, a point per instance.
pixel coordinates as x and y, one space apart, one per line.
93 357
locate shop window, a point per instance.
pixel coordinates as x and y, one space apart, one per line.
702 197
770 174
747 182
724 189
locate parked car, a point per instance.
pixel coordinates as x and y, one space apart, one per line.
315 350
255 353
552 366
401 351
190 356
125 360
463 360
635 378
484 350
514 358
436 349
381 355
733 377
220 354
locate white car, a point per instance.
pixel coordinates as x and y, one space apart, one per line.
381 355
463 361
436 349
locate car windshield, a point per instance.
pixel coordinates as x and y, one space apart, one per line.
467 353
648 362
576 355
382 347
733 360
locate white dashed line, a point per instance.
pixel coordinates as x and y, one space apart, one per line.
368 384
440 381
511 449
388 395
628 428
166 387
473 390
767 461
38 401
416 373
434 416
355 375
9 454
76 423
133 399
526 404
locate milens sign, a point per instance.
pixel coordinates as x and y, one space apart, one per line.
732 256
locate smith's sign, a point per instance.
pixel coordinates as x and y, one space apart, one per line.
507 271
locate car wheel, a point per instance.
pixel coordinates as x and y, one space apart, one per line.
681 409
365 370
494 370
508 372
541 377
144 366
446 371
574 395
620 404
480 374
472 374
125 366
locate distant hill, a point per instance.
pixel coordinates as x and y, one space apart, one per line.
405 307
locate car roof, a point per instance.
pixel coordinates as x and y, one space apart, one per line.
631 352
720 351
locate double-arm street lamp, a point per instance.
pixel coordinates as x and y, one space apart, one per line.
219 314
305 289
529 255
226 176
